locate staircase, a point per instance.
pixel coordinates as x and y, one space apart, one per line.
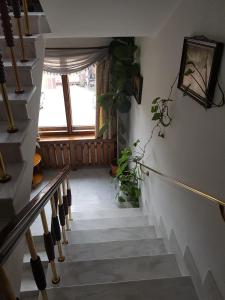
18 148
112 254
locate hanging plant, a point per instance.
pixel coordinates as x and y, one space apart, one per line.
161 112
122 51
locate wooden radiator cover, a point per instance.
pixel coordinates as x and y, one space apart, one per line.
82 153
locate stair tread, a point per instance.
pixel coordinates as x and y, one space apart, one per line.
32 37
91 224
110 223
30 13
115 249
116 270
26 65
104 235
178 288
7 190
13 138
106 213
20 98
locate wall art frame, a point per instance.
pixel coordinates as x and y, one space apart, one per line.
199 68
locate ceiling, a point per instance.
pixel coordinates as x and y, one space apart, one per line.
106 18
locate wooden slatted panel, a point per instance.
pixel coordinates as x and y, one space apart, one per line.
85 154
66 154
58 150
73 155
45 155
92 152
79 154
112 151
106 153
53 162
99 153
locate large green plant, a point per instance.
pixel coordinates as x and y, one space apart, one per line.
129 176
123 69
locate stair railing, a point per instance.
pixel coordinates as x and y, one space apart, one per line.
185 186
20 226
26 16
11 124
4 177
8 34
17 15
7 29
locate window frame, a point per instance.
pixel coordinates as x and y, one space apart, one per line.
68 130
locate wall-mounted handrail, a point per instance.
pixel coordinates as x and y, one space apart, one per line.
183 185
12 233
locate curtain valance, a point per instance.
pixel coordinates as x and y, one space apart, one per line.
67 61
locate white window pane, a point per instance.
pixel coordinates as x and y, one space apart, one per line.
83 97
52 107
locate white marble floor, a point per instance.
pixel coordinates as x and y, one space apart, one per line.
92 189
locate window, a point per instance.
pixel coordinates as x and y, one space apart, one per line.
68 102
52 107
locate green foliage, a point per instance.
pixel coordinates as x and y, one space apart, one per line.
123 69
128 175
160 111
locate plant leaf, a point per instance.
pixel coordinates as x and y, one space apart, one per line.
136 143
155 100
154 108
102 130
156 116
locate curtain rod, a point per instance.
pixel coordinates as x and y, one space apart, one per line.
81 48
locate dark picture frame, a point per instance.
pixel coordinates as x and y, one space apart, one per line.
137 87
199 68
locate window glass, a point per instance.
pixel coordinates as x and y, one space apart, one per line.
83 96
52 107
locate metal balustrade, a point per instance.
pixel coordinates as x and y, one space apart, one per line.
20 226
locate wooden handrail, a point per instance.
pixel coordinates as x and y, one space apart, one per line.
11 233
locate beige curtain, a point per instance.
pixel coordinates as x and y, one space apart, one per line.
102 87
66 61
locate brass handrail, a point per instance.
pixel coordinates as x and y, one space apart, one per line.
183 185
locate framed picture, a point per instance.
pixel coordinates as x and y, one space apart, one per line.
137 87
199 68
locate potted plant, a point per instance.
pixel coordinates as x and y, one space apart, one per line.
114 167
129 178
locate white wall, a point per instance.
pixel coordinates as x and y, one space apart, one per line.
56 41
86 18
194 148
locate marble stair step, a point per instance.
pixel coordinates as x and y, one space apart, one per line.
38 23
29 43
8 190
104 235
132 248
104 223
29 295
110 223
116 270
20 103
24 70
178 288
98 251
106 213
12 145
